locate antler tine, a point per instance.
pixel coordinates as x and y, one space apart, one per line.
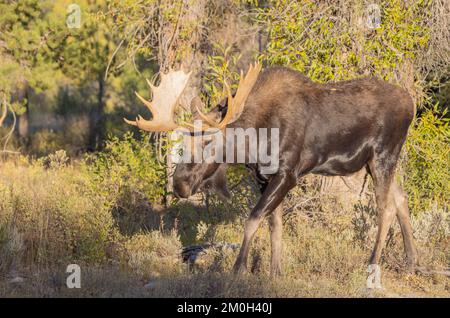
130 122
164 102
231 105
205 118
166 98
236 105
146 103
152 87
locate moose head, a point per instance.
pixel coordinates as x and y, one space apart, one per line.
188 178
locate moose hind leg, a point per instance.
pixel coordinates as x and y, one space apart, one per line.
276 229
386 212
386 207
403 217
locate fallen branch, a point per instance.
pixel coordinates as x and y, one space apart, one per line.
425 271
10 152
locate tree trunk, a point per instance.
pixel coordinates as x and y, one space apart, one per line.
96 118
24 119
4 111
170 46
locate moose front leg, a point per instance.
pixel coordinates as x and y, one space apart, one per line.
271 198
276 229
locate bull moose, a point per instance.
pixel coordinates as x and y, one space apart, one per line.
332 129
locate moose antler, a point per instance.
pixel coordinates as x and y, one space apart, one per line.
167 94
236 104
164 102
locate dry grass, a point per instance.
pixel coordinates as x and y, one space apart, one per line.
50 217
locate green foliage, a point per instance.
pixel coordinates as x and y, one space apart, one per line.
26 51
30 31
326 44
47 141
121 100
86 51
44 57
127 169
427 174
166 31
10 72
221 69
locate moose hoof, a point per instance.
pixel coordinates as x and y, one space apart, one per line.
275 272
412 266
412 269
374 278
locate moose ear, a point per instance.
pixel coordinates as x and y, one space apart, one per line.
214 115
218 183
217 113
222 107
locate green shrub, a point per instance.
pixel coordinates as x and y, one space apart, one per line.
130 178
427 174
129 164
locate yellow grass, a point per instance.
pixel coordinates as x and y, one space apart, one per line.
51 217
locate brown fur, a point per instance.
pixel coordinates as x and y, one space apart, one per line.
333 129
